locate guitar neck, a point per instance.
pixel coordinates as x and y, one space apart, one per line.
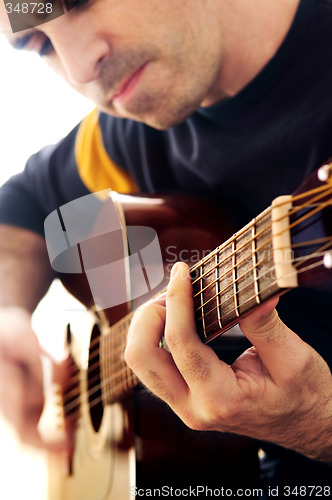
262 260
238 276
227 283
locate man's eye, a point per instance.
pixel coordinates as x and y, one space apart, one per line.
78 4
36 42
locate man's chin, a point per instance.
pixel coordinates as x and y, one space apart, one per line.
160 120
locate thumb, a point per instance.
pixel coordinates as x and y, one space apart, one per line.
277 345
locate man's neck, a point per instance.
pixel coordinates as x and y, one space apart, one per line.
252 32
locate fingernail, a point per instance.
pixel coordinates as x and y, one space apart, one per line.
175 269
180 268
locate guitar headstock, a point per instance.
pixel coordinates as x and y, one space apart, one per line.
311 229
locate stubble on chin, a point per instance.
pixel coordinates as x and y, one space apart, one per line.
161 101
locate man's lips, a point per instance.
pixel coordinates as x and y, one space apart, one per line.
128 85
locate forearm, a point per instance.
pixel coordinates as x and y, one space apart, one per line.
315 434
25 271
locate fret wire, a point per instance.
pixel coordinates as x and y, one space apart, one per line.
258 218
217 291
240 233
231 284
116 327
299 261
309 267
236 301
301 270
223 245
311 242
71 405
308 215
254 258
249 241
322 189
202 306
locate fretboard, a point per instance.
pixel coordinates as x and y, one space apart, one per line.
235 278
229 282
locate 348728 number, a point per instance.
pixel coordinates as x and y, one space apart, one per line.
301 491
29 8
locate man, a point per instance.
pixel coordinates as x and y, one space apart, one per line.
223 98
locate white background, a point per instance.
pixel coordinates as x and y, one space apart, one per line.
36 108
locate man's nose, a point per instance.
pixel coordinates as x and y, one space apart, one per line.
80 49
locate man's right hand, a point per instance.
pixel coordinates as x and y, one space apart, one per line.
21 377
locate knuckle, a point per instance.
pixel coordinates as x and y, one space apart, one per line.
174 336
211 416
195 422
130 355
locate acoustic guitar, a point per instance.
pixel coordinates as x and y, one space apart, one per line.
124 441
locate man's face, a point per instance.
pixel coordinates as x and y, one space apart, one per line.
154 61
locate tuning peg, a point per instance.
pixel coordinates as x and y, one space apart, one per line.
327 261
324 172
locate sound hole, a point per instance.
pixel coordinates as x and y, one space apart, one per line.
94 380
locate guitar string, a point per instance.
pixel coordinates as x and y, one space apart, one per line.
221 292
209 257
309 267
72 404
225 259
231 269
211 284
260 216
256 265
326 190
262 290
298 208
117 388
121 347
319 253
247 243
236 252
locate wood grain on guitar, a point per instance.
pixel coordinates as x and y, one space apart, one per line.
122 436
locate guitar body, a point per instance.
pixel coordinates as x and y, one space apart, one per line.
97 467
137 442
